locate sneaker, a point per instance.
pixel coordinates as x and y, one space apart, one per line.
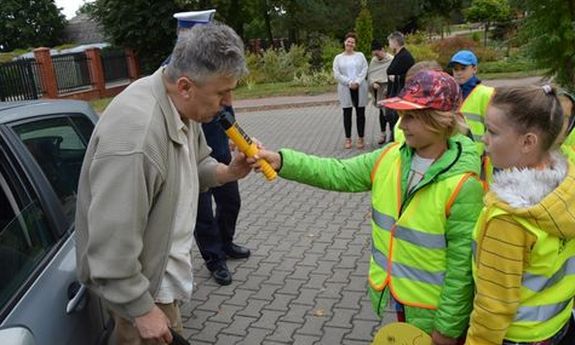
347 144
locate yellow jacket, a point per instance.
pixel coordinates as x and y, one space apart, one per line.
544 197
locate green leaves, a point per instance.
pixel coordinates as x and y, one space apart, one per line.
364 31
550 34
31 23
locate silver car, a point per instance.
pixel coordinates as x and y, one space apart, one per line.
42 145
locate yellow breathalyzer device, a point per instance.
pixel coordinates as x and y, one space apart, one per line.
244 143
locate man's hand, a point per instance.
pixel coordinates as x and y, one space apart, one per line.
154 326
440 339
238 167
375 86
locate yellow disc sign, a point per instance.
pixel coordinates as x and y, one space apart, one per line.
401 333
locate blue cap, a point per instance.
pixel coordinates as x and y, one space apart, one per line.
463 57
188 19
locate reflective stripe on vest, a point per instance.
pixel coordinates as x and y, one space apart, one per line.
405 271
408 252
413 236
540 313
537 283
548 282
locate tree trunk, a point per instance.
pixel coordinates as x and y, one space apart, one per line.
237 17
267 20
485 34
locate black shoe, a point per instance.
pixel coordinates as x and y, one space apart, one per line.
222 275
237 252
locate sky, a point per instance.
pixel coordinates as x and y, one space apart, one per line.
69 7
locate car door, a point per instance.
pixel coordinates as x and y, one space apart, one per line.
40 160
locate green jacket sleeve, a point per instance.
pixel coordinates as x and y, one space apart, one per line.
456 300
343 175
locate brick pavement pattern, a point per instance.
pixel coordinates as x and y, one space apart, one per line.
306 281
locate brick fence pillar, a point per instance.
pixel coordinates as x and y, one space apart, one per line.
47 72
96 70
133 65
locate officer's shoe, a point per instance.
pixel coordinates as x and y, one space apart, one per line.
237 252
222 274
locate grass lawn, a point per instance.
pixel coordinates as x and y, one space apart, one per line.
510 75
289 89
256 91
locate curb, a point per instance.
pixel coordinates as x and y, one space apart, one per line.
264 107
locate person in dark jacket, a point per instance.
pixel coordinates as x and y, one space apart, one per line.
215 233
401 63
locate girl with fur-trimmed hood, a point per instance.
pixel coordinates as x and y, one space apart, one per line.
524 257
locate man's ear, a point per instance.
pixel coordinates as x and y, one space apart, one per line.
185 87
530 143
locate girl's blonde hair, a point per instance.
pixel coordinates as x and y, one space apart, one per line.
448 122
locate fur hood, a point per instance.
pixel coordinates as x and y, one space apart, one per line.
545 197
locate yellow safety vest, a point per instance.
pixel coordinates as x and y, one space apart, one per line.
473 109
409 245
548 283
398 135
568 146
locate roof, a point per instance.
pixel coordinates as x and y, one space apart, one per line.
14 111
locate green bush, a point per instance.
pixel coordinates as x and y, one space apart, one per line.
276 65
317 78
422 52
329 49
418 37
515 63
445 48
476 36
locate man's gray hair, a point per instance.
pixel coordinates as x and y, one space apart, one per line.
207 51
397 37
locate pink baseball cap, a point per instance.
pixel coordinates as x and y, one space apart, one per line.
427 89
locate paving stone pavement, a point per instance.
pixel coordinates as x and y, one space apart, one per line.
306 281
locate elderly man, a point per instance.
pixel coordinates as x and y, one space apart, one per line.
214 232
144 168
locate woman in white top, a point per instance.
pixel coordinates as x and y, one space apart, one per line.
350 70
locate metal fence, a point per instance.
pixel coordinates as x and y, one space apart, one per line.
72 72
20 80
115 65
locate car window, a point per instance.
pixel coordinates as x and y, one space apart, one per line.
58 146
25 237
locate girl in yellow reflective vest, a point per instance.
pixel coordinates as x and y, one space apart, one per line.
567 139
524 247
425 199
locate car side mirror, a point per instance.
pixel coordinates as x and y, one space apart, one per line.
17 335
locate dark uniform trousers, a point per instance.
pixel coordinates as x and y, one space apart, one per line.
215 232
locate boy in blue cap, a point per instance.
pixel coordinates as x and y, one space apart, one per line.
476 97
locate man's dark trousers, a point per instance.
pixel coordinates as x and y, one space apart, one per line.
214 233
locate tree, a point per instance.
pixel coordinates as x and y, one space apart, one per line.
146 26
550 29
488 12
364 30
30 23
